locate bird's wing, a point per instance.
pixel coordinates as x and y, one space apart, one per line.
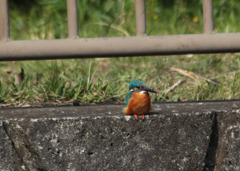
128 97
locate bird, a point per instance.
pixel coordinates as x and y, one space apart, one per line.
138 101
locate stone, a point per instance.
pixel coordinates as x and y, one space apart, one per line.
228 146
174 136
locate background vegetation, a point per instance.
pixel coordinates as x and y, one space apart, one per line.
104 80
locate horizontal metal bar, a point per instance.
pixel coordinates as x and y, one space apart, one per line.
119 46
208 16
140 17
72 19
4 22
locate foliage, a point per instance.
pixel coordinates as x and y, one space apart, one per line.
105 80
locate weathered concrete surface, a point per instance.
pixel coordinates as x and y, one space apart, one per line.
175 136
228 151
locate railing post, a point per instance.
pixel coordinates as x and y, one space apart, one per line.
140 17
208 16
4 21
72 19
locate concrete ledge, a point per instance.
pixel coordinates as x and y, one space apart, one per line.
174 136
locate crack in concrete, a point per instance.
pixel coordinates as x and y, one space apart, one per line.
83 147
28 156
210 158
5 129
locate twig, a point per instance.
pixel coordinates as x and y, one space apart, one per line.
192 75
172 87
115 27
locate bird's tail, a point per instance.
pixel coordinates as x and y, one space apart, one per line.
125 111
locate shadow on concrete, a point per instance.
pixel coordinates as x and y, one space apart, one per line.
210 158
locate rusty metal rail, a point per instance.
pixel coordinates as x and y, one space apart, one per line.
72 19
140 45
4 23
208 16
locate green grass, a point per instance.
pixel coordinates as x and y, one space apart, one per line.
106 80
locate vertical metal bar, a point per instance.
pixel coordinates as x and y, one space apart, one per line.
207 16
4 22
72 19
140 17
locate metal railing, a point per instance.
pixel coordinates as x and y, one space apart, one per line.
140 45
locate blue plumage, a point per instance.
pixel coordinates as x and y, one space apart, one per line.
136 83
138 101
139 85
130 94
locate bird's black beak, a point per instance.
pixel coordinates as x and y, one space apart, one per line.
149 90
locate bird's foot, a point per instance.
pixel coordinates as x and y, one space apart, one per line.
135 116
143 116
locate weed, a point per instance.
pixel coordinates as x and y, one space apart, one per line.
104 80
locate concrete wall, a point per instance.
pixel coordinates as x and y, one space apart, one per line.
174 136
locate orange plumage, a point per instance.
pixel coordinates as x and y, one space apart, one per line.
139 103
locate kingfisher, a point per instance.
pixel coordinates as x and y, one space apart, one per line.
138 101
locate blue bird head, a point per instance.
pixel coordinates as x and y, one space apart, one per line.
136 83
140 85
137 86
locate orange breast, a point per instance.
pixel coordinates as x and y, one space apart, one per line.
139 103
